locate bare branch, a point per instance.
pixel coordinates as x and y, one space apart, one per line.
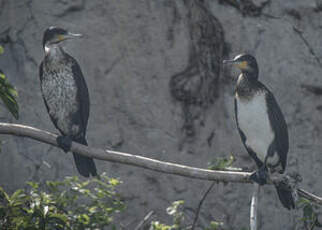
139 161
126 158
253 208
309 196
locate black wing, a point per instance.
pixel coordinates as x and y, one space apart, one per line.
279 126
82 95
259 163
40 71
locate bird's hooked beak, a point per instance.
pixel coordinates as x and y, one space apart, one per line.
69 35
240 64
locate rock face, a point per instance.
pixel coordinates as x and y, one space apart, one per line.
131 55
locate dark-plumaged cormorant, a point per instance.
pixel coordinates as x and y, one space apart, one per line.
261 125
65 94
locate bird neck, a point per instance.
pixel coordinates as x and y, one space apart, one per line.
251 74
246 86
54 52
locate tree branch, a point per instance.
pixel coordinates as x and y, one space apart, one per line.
253 208
126 158
139 161
309 196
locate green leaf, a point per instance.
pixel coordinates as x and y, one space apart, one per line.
114 182
308 211
214 225
1 50
221 163
8 95
4 195
17 195
302 202
60 218
173 209
156 225
37 212
92 209
57 206
33 185
84 219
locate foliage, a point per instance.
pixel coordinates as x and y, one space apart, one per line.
214 225
176 211
310 214
8 93
221 163
67 204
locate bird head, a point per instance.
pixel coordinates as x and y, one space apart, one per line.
245 62
55 35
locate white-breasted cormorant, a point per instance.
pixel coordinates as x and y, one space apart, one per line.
65 94
261 125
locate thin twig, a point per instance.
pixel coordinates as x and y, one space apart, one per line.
307 195
200 204
253 208
145 219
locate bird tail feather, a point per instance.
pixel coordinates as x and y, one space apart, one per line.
286 197
85 165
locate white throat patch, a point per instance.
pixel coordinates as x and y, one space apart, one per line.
47 49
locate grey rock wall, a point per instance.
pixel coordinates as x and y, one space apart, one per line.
132 50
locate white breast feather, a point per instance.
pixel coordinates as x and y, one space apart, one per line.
254 122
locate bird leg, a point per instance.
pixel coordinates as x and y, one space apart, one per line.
260 176
64 142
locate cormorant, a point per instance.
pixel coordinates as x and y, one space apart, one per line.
65 94
261 125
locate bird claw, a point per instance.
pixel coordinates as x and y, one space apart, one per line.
260 176
64 142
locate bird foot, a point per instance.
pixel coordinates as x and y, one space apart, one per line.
64 142
260 176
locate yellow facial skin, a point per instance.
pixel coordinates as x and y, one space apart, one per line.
242 65
61 37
